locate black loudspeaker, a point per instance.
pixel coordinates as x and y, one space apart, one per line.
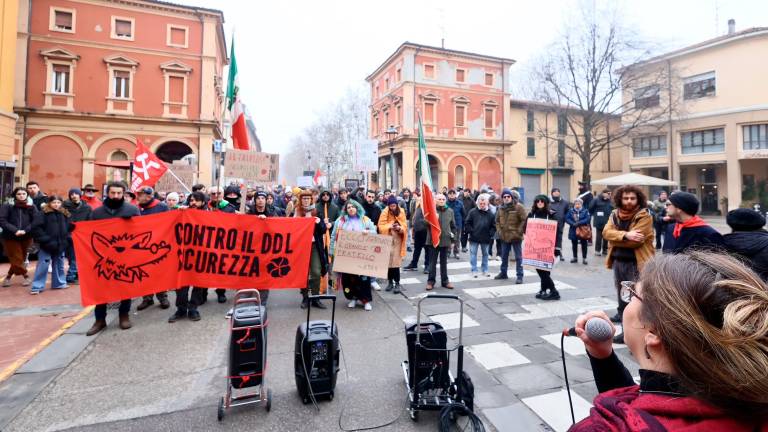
316 356
431 371
247 349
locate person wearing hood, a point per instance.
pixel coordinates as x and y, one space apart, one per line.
601 209
481 226
749 239
442 250
278 211
560 207
114 206
16 220
149 205
541 210
356 288
51 230
393 223
90 198
79 211
219 203
689 231
260 208
510 226
318 263
232 196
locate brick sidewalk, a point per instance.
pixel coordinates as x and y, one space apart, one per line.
26 320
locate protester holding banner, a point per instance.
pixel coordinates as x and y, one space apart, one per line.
318 262
541 210
356 288
328 212
89 196
218 203
481 226
392 222
16 220
51 230
186 304
441 251
278 211
114 207
149 205
260 207
172 200
79 211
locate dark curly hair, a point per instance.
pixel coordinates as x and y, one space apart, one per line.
642 201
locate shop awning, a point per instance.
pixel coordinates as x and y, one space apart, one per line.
531 171
633 179
115 164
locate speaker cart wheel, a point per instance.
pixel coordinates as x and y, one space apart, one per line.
330 396
414 415
220 415
305 400
269 400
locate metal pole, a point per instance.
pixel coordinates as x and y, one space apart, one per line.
391 164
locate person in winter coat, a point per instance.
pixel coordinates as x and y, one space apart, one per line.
149 205
114 206
541 210
696 325
601 209
51 230
392 222
689 231
510 224
90 198
186 303
356 288
585 195
576 217
749 239
172 200
369 205
481 227
661 220
560 206
318 263
457 206
278 211
420 227
328 212
38 197
469 203
16 221
441 251
79 211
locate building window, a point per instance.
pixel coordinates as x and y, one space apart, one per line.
62 20
377 92
755 137
399 114
699 86
399 75
429 113
530 120
386 119
375 125
489 118
177 36
458 177
649 146
561 153
562 124
647 97
531 147
60 79
489 79
122 28
704 141
461 112
460 75
122 86
176 75
429 71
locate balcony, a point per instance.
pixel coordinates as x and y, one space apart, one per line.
561 161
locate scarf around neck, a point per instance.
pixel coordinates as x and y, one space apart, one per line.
626 215
693 222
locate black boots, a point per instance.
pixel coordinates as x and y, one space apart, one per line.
551 295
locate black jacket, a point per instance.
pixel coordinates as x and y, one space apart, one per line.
480 225
78 212
229 208
125 210
752 245
702 237
51 230
469 204
39 199
14 218
269 211
419 224
372 211
333 210
153 207
600 205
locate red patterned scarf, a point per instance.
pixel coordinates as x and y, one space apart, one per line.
695 221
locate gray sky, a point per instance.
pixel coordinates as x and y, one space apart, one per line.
297 57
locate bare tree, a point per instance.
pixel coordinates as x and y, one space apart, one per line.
583 77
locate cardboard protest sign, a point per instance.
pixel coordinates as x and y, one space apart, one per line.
251 167
539 245
183 171
126 258
362 253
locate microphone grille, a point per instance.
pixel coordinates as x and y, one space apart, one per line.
598 329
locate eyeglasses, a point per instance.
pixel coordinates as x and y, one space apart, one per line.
215 193
627 291
89 190
507 197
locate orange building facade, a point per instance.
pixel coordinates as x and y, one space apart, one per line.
93 76
463 100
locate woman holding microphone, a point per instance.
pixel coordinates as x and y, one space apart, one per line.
697 324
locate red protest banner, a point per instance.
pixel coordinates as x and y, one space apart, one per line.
127 258
539 245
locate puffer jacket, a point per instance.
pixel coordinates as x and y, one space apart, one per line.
447 225
576 218
510 222
480 225
17 217
51 229
600 209
752 245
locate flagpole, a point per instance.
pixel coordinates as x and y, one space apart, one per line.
179 180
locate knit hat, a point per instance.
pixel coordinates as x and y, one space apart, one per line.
76 191
172 195
554 190
685 201
261 193
541 198
391 200
744 219
505 192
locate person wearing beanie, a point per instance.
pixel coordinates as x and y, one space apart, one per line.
469 203
393 223
560 206
440 252
689 231
541 210
458 214
79 211
749 239
509 226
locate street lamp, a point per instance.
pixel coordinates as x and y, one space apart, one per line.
328 160
391 134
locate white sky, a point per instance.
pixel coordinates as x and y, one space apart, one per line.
295 58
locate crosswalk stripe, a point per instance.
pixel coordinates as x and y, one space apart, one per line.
450 321
462 277
552 408
496 355
561 307
511 290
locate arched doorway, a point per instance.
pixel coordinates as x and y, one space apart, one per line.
118 174
434 171
173 151
489 172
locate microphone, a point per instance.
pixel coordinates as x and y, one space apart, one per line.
597 329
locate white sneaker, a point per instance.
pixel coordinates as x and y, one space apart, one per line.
474 275
368 306
375 285
352 304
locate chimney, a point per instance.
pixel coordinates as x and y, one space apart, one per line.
731 26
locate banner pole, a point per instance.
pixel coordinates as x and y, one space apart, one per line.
179 180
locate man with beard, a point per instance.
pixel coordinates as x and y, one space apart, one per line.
79 211
318 262
114 207
341 200
690 231
186 304
149 205
629 232
560 207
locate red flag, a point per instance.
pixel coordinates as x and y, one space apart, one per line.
147 168
316 178
427 199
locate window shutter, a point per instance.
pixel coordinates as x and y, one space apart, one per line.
64 20
122 28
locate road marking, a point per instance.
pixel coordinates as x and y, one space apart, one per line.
511 290
496 355
553 408
450 321
548 309
463 277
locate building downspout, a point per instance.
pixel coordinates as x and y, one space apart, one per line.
26 95
671 143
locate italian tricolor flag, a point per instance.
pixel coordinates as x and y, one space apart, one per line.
427 199
235 107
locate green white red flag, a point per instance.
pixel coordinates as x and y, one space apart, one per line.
427 199
235 106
